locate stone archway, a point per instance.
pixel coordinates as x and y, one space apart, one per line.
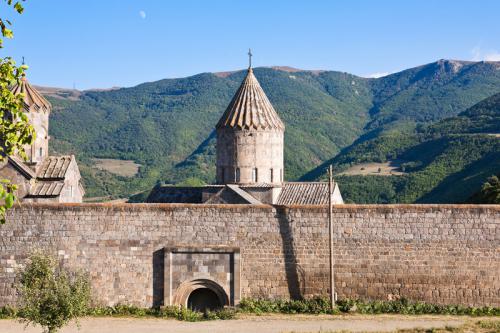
201 295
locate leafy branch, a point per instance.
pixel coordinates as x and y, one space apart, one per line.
15 129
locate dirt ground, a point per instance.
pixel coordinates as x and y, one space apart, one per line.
250 324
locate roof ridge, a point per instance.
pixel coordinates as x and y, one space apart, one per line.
22 167
54 167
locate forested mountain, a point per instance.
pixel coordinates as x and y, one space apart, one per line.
167 126
446 161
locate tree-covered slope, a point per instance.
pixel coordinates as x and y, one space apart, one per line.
445 161
167 126
432 92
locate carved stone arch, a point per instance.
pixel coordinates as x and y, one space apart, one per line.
183 292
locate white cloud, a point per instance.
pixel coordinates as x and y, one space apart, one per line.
142 14
376 75
494 56
476 53
479 55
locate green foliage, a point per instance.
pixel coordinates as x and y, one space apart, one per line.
431 92
51 296
4 23
179 313
404 306
123 310
379 189
322 305
446 161
191 181
489 193
167 126
316 305
15 130
8 312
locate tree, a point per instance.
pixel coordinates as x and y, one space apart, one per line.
489 193
15 129
51 296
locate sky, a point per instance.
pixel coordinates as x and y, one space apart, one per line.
121 43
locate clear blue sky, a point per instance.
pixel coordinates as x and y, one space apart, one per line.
104 43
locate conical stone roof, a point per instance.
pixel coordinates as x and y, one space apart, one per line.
250 108
33 100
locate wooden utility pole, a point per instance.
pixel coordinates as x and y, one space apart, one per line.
330 231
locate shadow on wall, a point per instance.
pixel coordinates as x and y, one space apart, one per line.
295 275
158 277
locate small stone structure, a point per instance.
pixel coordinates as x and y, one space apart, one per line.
192 268
155 254
41 178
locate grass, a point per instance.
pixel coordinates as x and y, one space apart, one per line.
389 168
124 168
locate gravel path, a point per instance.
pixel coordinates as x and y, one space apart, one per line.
249 324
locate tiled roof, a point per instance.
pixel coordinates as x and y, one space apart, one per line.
246 196
175 194
54 167
46 189
257 185
21 166
33 100
250 108
312 193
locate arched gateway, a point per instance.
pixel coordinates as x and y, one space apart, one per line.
201 295
202 278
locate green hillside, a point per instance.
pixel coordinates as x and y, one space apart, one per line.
445 162
167 126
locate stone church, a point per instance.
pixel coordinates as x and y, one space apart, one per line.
250 163
41 178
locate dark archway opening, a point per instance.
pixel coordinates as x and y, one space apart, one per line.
203 299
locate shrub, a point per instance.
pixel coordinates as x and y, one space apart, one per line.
321 305
7 312
179 313
224 314
51 296
316 305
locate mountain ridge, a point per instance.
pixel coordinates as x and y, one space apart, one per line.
166 126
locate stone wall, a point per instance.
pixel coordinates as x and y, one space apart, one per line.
434 253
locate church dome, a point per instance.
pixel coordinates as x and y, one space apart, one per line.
250 108
33 100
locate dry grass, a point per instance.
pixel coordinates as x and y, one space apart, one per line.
61 93
124 168
390 168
